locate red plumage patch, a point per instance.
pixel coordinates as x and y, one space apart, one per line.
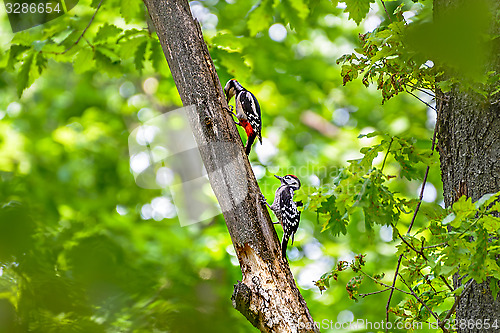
248 128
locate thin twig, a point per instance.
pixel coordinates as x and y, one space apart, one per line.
471 225
384 285
459 297
83 32
389 16
421 100
433 144
387 306
419 200
423 303
373 293
424 90
427 281
446 283
408 244
436 245
386 154
421 90
91 46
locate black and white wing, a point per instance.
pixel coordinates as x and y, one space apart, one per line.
252 111
290 217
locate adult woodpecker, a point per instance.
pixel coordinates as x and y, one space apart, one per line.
285 208
247 111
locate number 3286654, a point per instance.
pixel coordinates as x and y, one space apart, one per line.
25 8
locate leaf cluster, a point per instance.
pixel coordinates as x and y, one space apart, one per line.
384 59
362 186
461 240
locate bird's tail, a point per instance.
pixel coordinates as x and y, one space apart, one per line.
284 244
250 141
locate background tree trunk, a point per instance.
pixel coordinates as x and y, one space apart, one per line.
267 295
469 147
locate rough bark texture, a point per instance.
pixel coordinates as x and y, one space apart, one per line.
267 295
469 147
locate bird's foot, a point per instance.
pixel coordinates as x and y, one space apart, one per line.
229 109
263 199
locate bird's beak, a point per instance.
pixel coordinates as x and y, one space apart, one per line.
227 99
278 177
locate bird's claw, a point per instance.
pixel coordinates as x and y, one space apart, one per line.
229 108
263 199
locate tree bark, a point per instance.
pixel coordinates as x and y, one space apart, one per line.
469 146
267 295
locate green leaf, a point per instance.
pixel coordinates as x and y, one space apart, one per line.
370 154
129 9
105 32
52 48
495 207
486 199
295 12
110 53
300 7
23 38
16 230
476 269
494 287
260 18
129 47
378 202
448 219
490 223
446 270
432 211
23 78
371 134
84 61
156 55
445 86
335 223
41 62
357 9
104 63
15 52
464 208
229 42
233 62
140 56
456 39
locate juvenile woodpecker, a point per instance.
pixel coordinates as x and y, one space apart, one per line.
247 111
285 208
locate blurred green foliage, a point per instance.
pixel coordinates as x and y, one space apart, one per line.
77 252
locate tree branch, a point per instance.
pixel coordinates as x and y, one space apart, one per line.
267 295
82 34
424 304
387 154
383 284
414 214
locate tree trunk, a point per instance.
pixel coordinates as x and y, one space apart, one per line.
267 295
469 146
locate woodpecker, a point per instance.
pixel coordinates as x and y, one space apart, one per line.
247 111
285 208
